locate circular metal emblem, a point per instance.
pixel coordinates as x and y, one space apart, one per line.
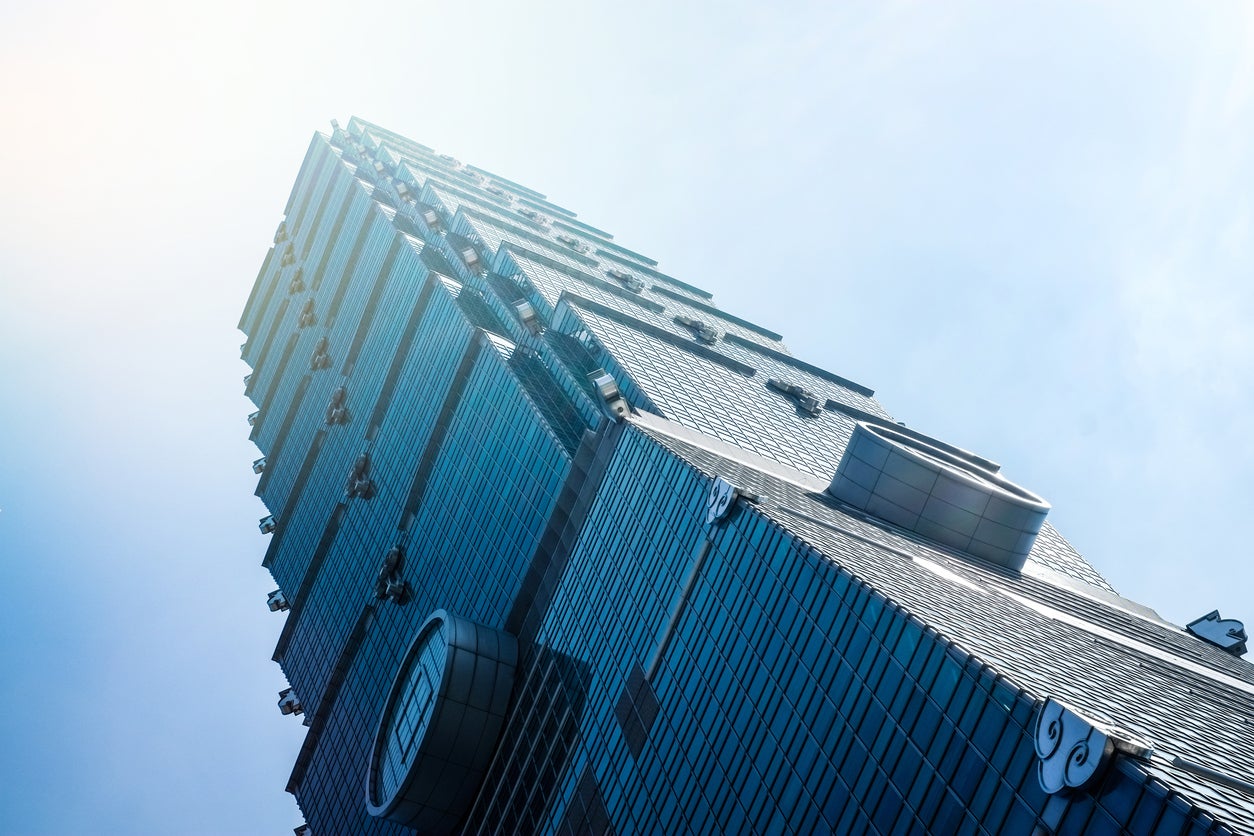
440 723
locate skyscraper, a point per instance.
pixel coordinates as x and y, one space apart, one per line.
564 547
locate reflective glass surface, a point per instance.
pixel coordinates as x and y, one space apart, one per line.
408 722
760 674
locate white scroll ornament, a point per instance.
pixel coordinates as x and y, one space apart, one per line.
1072 749
722 495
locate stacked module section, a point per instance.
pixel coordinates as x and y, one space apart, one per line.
424 337
598 305
788 667
402 428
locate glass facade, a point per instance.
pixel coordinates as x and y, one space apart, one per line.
422 336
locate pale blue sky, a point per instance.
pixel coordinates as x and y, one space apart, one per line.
1027 226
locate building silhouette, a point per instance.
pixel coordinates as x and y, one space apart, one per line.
563 547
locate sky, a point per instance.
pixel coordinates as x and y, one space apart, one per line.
1028 227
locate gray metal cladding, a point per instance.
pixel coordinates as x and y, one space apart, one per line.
943 497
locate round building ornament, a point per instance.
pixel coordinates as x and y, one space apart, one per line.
440 723
1070 748
923 488
1074 750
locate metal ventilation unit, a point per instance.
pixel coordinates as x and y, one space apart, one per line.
633 283
572 242
337 410
307 316
807 401
607 388
389 583
360 485
700 330
527 314
289 703
431 217
321 358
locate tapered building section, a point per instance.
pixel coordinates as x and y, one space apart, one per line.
561 546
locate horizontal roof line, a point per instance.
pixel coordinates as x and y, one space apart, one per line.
1133 644
789 360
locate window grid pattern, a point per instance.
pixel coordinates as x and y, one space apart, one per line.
714 399
600 234
313 171
454 200
398 287
270 323
611 591
649 273
466 551
746 412
439 343
793 697
783 693
551 283
283 385
1043 655
493 235
305 191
